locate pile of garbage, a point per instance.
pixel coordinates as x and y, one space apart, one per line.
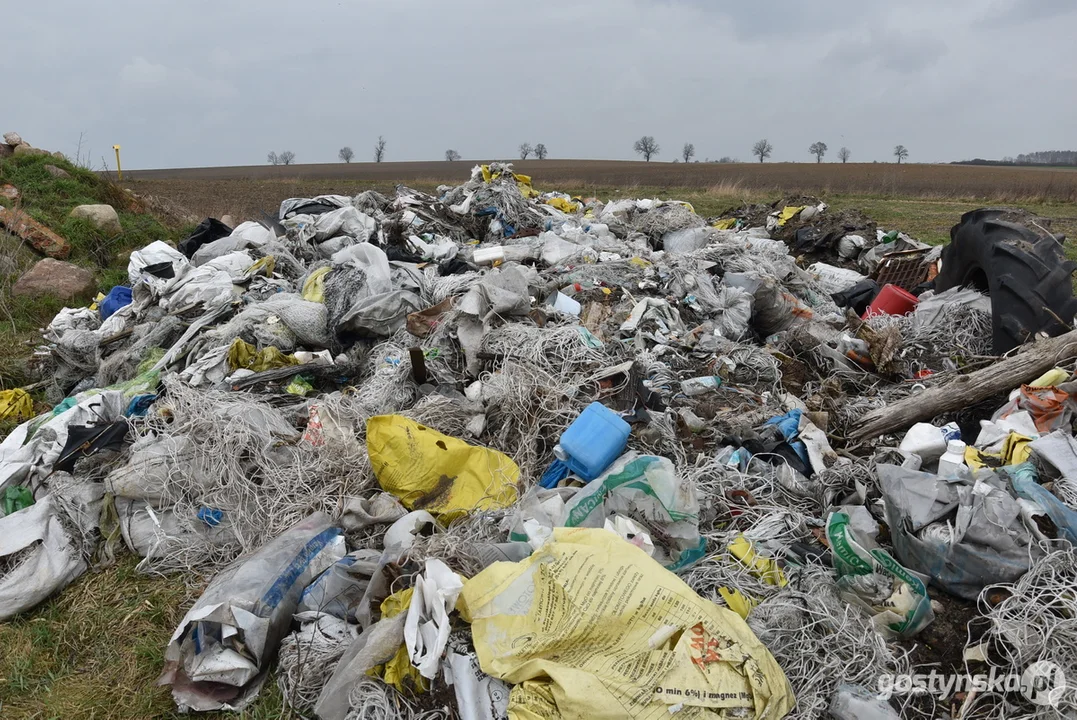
500 453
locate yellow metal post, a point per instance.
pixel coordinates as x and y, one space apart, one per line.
119 170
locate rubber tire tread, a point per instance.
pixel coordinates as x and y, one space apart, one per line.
1028 277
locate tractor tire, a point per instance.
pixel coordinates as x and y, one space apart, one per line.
1024 272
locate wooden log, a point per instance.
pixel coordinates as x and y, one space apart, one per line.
964 390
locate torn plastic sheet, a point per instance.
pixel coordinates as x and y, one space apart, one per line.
339 589
478 696
426 630
219 654
30 451
1023 478
346 221
155 533
145 265
589 626
1059 450
44 555
312 206
645 489
154 464
397 539
377 645
989 543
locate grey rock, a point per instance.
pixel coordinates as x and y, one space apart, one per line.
103 217
12 138
25 149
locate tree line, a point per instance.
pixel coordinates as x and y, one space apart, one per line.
647 147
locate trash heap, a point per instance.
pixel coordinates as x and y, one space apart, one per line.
494 453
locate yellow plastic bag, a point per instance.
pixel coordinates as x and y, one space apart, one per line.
725 224
590 626
16 405
399 672
263 266
242 354
440 474
565 206
314 285
788 213
1016 449
764 568
737 601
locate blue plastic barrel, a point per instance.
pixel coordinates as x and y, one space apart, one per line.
593 441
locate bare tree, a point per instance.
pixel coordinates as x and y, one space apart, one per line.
452 155
818 149
541 152
688 152
647 147
273 159
379 149
525 150
346 154
762 149
844 154
900 153
287 157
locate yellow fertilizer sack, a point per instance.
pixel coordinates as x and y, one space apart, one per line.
440 474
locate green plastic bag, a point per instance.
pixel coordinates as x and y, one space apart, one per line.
907 610
16 498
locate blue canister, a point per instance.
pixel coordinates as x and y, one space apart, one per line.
593 441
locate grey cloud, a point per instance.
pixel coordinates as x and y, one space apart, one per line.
209 83
889 50
1013 13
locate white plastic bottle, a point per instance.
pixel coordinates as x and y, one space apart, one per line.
952 462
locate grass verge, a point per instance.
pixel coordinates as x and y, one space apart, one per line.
95 651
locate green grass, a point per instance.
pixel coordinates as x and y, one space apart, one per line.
50 200
95 651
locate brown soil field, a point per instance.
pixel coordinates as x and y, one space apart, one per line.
1014 184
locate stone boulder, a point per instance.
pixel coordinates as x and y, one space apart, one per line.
13 138
10 192
57 172
103 217
53 277
6 151
25 149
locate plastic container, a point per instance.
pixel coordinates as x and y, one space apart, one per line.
118 297
593 441
952 461
487 256
700 385
891 300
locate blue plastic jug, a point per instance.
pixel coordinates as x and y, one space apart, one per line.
593 441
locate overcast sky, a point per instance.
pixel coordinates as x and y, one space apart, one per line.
204 82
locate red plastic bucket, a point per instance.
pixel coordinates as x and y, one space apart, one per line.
891 300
